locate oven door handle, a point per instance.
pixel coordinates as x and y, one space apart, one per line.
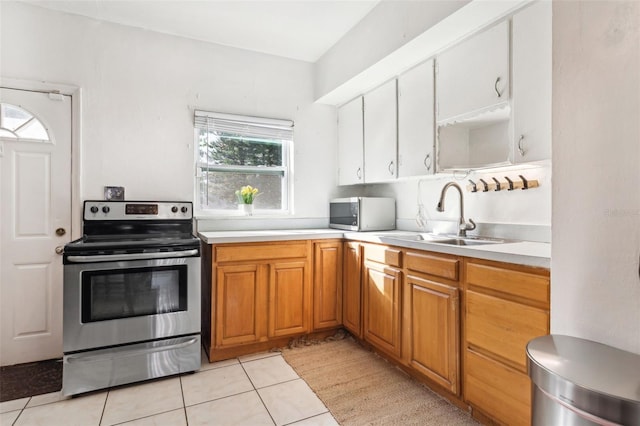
115 353
132 256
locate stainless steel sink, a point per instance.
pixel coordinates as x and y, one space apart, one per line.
404 236
467 242
453 240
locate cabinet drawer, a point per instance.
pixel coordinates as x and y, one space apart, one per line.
240 252
382 254
503 327
516 283
499 391
433 265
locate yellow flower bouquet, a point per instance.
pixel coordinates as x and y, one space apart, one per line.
246 194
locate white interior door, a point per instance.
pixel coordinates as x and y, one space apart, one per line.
35 220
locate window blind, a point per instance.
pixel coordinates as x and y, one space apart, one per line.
244 125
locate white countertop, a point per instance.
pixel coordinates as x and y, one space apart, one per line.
518 252
218 237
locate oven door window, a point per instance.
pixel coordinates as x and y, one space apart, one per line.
126 293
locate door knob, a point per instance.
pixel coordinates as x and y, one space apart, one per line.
59 249
60 232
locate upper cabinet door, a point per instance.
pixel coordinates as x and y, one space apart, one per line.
350 143
381 133
416 121
532 83
474 74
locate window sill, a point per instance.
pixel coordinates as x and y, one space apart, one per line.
230 214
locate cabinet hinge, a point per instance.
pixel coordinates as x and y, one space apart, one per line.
55 95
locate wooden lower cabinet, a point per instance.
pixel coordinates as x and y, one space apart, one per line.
459 323
381 307
327 285
240 309
505 307
289 299
352 288
431 317
434 336
503 327
260 292
500 392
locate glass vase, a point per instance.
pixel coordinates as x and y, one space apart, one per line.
247 209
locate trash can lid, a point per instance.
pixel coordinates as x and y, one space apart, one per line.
594 367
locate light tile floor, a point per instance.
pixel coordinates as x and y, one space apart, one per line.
259 389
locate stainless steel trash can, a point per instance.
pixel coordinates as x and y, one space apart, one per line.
581 382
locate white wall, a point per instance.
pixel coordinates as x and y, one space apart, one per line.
595 288
139 90
527 209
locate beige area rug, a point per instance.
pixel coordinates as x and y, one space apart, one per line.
361 388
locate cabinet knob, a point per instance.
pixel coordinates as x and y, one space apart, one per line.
391 167
359 173
520 147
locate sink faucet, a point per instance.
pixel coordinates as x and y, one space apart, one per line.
463 226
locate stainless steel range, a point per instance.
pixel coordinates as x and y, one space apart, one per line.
131 295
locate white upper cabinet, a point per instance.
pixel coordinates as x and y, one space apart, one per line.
484 102
532 83
381 133
416 121
350 143
473 75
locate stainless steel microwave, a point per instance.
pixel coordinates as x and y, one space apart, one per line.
362 213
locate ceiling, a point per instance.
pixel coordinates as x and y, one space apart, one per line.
297 29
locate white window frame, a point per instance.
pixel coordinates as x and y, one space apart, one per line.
286 170
15 136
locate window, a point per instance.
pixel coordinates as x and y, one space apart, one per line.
16 123
235 151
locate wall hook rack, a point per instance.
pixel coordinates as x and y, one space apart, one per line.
497 185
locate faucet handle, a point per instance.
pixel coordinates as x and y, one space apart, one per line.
468 226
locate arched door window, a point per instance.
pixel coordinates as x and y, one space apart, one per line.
17 123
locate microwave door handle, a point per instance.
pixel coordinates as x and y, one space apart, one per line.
132 256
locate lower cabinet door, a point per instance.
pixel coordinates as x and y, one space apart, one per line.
289 299
382 308
352 289
239 309
434 333
327 285
501 391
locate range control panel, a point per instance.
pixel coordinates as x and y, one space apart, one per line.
137 210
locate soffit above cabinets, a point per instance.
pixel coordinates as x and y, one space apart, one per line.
461 24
